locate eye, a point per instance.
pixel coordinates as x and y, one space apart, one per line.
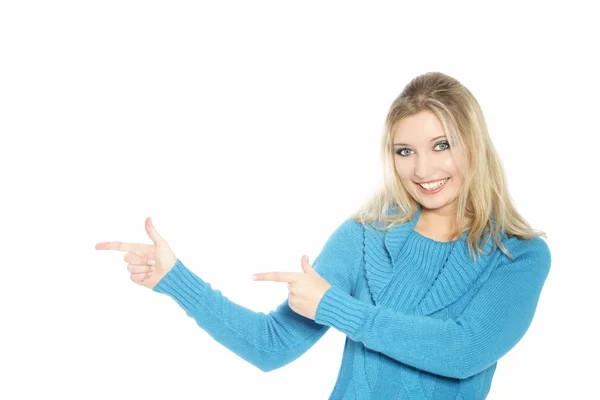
399 152
445 143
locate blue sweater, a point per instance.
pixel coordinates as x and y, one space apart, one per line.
422 320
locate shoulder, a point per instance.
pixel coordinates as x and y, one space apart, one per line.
351 227
346 241
341 254
533 253
536 246
348 233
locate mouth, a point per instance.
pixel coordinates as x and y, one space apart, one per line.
432 188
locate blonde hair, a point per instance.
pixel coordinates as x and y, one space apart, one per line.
484 200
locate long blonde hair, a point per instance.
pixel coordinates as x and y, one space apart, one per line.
483 200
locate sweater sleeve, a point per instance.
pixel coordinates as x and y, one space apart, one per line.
267 341
492 323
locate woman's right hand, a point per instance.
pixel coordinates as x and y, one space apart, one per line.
148 264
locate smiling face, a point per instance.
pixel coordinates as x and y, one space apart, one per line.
421 154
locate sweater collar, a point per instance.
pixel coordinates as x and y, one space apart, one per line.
458 274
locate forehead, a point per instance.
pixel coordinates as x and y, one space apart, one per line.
418 128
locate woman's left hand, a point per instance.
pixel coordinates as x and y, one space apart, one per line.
306 288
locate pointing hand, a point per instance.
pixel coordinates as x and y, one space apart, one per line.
305 288
148 264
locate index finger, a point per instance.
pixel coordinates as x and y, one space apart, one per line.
277 276
120 246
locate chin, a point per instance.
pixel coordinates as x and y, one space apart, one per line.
428 205
437 204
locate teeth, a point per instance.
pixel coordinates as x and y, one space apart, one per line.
431 186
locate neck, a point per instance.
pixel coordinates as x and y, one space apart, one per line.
441 220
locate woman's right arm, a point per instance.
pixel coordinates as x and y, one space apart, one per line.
268 341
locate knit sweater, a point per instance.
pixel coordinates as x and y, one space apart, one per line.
422 320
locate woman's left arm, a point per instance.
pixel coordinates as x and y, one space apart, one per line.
492 323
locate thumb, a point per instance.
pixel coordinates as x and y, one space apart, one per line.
156 238
306 267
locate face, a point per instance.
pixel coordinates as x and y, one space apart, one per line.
422 154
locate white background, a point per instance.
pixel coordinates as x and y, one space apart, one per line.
249 131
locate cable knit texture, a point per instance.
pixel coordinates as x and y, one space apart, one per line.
422 320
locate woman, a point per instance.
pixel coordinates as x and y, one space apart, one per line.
433 280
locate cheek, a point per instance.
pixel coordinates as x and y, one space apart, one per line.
408 184
402 165
450 165
401 172
452 170
456 182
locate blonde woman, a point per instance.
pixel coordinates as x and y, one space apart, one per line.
432 281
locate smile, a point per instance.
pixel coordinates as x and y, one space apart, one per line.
434 187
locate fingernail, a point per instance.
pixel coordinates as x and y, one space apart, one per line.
151 262
254 277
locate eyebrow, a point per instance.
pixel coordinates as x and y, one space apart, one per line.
404 144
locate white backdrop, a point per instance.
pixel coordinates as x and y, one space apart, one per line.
249 131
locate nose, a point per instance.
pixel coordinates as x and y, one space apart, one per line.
424 166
